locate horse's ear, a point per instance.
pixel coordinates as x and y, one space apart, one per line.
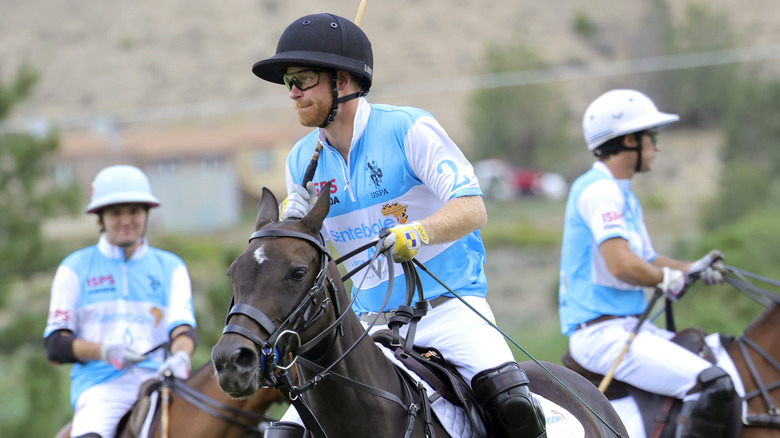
268 211
313 220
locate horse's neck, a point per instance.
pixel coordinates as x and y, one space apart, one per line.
763 332
355 364
364 363
766 327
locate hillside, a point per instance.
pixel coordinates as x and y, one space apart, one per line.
189 62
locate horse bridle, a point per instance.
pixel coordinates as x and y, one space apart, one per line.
273 359
274 353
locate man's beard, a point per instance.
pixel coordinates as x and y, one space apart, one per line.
316 114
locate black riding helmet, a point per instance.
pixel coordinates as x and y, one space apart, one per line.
322 40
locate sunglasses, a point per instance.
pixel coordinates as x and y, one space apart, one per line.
303 79
653 134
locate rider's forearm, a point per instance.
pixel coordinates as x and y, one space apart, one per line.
86 351
627 266
661 261
458 217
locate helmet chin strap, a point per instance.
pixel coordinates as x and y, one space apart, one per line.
637 149
337 100
608 150
638 138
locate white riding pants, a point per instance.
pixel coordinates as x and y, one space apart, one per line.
461 336
99 408
653 363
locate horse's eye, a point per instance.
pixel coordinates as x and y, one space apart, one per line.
298 273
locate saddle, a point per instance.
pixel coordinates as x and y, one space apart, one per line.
446 381
664 408
136 418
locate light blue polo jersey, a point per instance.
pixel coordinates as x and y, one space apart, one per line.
102 298
402 167
599 207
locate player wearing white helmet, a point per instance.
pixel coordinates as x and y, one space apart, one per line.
115 300
607 259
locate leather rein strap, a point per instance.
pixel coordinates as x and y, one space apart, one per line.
740 281
211 406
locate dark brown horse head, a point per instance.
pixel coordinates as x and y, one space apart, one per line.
280 293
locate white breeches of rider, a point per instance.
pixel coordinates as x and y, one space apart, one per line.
100 407
461 336
652 363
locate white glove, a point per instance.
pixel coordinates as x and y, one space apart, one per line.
120 356
299 202
405 240
673 283
177 364
706 268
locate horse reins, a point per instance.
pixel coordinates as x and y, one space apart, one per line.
509 338
208 404
212 407
765 298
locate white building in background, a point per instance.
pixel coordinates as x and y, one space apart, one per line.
204 176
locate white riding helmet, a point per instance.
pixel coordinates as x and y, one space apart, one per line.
121 184
620 112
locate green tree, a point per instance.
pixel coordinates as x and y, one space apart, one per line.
701 95
27 194
524 124
748 181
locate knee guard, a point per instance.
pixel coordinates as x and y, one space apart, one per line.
284 429
707 417
509 408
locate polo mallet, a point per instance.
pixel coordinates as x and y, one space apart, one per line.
309 174
165 396
608 377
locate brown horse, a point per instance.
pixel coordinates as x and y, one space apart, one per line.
289 305
198 408
756 358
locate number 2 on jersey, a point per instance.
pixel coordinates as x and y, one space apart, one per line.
457 184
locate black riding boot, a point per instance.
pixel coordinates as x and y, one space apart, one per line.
707 417
284 429
511 411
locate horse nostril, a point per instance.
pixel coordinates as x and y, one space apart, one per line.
244 359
